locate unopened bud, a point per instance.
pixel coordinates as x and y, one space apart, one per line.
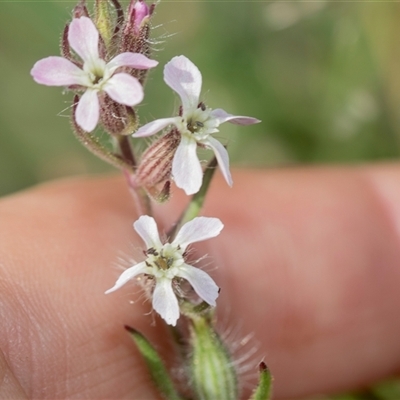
136 32
103 20
156 163
212 371
117 118
80 10
138 10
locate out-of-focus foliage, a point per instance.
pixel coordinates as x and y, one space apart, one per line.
323 77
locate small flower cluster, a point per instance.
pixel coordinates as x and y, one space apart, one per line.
107 81
107 58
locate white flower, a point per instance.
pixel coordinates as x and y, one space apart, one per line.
166 262
96 75
196 125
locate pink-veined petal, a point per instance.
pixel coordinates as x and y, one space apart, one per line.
58 71
222 157
127 275
181 75
133 60
222 116
83 37
186 167
155 126
124 89
88 110
201 282
165 301
196 230
146 228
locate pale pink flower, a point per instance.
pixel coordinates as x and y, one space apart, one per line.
165 262
96 75
196 124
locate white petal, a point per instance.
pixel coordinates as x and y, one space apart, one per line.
124 89
165 301
222 157
127 275
133 60
155 126
186 167
196 230
222 116
58 71
181 75
201 282
147 229
83 37
88 110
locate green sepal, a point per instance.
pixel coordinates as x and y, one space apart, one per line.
155 365
264 389
104 20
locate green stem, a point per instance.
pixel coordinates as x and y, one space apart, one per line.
196 203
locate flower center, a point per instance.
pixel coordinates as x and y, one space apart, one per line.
97 73
164 259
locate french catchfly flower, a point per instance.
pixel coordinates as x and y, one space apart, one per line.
95 74
166 264
195 125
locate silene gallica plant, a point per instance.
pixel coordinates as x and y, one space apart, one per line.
106 56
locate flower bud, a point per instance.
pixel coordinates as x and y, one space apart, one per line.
212 371
138 10
80 10
136 32
116 118
156 163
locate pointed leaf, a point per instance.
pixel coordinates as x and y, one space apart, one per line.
155 365
264 389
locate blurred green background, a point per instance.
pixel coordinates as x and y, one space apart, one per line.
322 76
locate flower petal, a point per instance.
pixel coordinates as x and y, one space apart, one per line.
127 275
222 116
133 60
181 75
124 89
222 157
186 167
88 110
196 230
156 126
147 229
165 301
201 282
58 71
83 37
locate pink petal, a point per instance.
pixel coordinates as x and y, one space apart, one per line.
156 126
222 116
147 229
186 167
165 301
124 89
127 275
133 60
87 111
196 230
201 282
83 37
222 157
58 71
181 75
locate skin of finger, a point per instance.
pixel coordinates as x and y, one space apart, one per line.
61 336
307 262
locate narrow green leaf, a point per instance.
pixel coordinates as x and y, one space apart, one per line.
264 389
155 365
